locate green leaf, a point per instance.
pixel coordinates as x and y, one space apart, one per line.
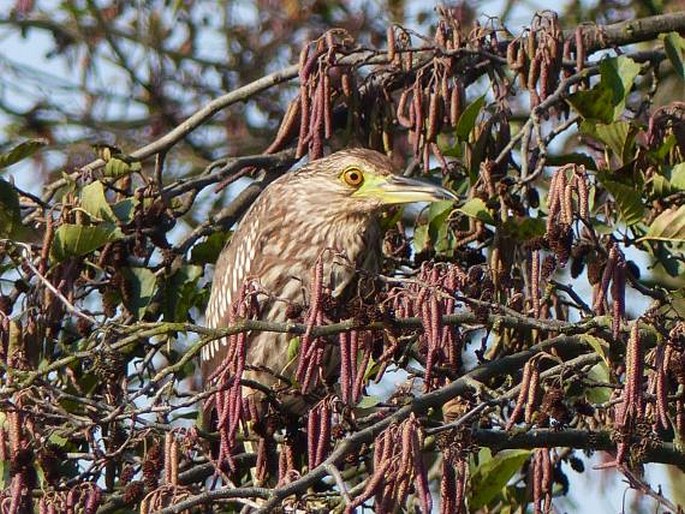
572 157
628 200
293 348
180 293
600 346
619 136
673 46
605 102
58 440
494 474
125 209
661 152
118 167
594 104
21 151
475 208
10 214
678 177
598 373
75 240
208 251
368 402
94 202
524 229
668 226
141 284
438 228
467 120
5 475
619 74
421 238
661 186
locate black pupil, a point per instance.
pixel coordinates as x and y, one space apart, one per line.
354 177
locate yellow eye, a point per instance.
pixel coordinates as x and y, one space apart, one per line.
353 177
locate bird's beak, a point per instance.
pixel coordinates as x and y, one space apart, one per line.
395 189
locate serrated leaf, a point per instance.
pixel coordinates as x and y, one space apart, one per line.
467 120
668 226
94 202
10 213
475 208
21 152
142 284
673 46
628 201
600 346
494 474
75 240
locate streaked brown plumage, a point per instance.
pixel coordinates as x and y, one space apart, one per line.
325 209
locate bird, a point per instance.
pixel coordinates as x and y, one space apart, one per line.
326 211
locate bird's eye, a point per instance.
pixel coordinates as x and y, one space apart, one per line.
353 177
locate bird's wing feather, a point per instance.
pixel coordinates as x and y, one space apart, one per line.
234 265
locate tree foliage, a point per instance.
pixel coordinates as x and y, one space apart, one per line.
520 330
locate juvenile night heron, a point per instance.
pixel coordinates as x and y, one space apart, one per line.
327 209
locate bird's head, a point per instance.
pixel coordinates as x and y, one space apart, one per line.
363 180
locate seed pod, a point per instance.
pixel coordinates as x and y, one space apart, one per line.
531 44
532 394
456 104
512 49
403 120
521 399
521 60
433 117
580 49
390 34
566 56
544 79
533 73
327 111
346 84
